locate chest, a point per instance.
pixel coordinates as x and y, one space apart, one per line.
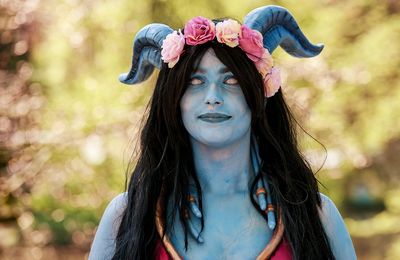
233 229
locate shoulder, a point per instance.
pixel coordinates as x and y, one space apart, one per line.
329 214
335 229
103 245
113 213
328 208
117 205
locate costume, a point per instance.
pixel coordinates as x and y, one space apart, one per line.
262 31
282 252
277 248
275 23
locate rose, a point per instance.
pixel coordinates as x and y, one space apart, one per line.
251 43
199 30
228 32
264 64
272 82
172 48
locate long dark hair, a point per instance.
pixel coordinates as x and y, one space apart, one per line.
165 163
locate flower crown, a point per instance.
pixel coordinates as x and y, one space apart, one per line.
200 30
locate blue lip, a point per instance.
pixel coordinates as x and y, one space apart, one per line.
214 117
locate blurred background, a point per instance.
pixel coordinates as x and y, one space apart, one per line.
68 127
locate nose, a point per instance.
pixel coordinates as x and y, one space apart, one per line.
213 95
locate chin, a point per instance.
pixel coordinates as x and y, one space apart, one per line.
219 138
215 143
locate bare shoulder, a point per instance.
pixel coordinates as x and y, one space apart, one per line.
113 212
117 205
335 229
328 207
103 245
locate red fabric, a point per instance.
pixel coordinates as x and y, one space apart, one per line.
161 253
282 252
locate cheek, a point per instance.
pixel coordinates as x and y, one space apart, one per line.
241 106
184 105
187 106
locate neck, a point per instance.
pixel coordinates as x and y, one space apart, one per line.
223 170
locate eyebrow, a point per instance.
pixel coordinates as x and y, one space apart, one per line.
221 70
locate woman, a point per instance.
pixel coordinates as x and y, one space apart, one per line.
219 173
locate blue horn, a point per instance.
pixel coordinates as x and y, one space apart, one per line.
146 53
278 27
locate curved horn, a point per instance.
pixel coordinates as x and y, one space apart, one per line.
278 27
146 53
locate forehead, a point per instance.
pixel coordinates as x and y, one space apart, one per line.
210 62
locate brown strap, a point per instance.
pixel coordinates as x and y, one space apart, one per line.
276 238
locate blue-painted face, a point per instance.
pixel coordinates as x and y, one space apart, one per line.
214 109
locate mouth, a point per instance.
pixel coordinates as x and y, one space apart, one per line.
214 117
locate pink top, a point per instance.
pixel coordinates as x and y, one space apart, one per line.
282 251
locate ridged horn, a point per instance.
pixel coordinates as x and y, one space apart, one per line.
278 27
146 53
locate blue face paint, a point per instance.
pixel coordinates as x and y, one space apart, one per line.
216 115
214 109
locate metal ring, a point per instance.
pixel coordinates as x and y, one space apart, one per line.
191 198
261 190
270 207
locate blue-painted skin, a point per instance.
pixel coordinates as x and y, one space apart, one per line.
221 151
261 198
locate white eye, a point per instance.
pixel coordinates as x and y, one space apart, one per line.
231 81
195 81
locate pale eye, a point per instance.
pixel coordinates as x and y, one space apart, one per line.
195 81
231 80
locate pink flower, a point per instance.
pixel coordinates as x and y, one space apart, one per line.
251 42
272 82
172 48
228 32
264 64
199 30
